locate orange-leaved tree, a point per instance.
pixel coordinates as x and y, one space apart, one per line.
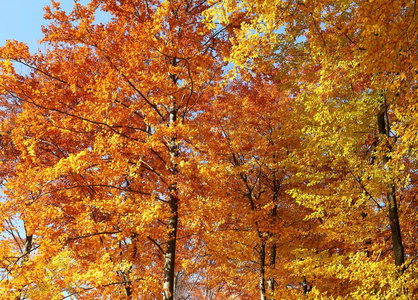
101 127
247 169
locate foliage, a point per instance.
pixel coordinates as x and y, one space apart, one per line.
212 150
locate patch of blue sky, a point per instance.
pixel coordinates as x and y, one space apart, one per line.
22 20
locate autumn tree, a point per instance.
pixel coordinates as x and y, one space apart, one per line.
247 168
103 136
358 159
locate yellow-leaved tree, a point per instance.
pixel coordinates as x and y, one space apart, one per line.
358 156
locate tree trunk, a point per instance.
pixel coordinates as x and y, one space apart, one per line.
170 253
128 288
272 264
262 271
25 257
398 250
276 187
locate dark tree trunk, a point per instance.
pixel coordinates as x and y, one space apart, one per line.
398 249
272 264
25 257
262 271
170 253
273 250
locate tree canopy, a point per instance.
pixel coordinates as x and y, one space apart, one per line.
213 149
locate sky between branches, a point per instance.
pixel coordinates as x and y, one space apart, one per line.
22 20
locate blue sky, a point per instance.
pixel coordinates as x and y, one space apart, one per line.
21 20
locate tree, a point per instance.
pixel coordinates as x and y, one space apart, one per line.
247 170
102 135
359 72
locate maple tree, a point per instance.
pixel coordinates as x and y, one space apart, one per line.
212 150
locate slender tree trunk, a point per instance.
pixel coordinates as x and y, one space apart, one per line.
262 271
127 275
128 288
398 249
25 257
170 253
273 250
272 264
262 252
28 247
